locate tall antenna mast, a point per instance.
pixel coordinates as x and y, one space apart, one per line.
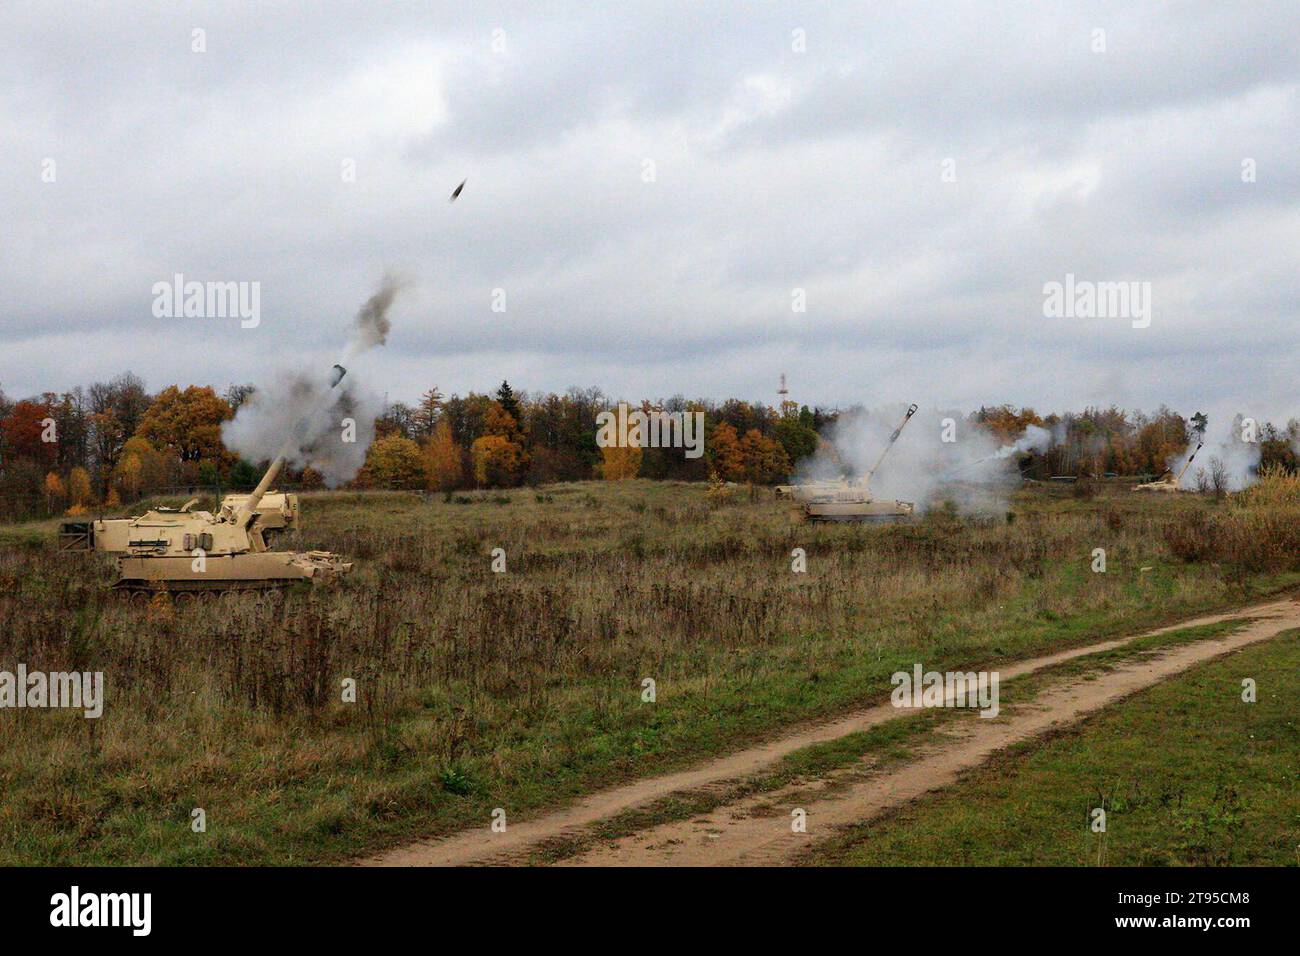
784 405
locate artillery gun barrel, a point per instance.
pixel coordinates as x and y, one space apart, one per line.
911 410
263 486
247 509
1188 464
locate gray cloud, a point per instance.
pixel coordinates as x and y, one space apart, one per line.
775 170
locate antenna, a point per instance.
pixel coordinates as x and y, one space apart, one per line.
786 407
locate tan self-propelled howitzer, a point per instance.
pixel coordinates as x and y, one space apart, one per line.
849 499
195 552
1169 482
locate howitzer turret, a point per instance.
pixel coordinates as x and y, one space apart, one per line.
188 552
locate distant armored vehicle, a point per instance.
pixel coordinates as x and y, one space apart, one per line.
1168 482
849 499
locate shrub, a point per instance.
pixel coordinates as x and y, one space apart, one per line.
1259 530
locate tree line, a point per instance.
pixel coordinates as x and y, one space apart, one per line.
114 442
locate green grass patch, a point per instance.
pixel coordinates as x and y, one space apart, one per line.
1187 773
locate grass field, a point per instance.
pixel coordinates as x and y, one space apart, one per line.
886 746
1187 773
479 690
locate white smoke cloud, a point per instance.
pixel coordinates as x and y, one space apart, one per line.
301 417
328 429
1034 438
974 470
1224 448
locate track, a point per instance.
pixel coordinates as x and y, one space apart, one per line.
757 831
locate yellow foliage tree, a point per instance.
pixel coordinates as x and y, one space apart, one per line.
79 487
127 475
764 458
54 490
393 462
141 467
188 424
498 422
620 463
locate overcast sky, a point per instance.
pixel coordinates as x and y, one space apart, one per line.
793 147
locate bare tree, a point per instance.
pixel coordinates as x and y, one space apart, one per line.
1218 477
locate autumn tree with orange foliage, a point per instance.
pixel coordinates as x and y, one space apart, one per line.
187 424
500 456
79 490
443 467
25 431
497 461
54 490
726 458
140 466
764 459
1004 422
425 416
1159 441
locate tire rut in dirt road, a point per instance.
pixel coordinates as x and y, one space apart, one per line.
740 838
757 831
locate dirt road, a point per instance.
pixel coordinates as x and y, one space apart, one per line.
757 830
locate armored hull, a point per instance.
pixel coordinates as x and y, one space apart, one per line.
881 512
275 513
845 500
268 570
849 499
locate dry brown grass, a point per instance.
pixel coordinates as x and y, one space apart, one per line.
479 689
1258 530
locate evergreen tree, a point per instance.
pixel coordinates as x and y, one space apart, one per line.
506 396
